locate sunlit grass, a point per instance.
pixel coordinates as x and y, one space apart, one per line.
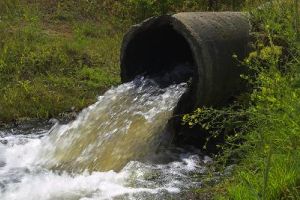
46 70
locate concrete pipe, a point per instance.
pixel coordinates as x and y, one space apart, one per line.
201 42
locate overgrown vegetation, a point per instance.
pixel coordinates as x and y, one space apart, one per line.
263 126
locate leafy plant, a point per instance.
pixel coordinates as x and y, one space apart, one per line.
262 135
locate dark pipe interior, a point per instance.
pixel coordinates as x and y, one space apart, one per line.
161 53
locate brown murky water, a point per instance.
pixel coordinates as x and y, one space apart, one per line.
104 153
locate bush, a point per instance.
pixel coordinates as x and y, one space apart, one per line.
262 133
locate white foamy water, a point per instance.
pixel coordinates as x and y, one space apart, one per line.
103 154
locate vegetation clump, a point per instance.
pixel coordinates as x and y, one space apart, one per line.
262 127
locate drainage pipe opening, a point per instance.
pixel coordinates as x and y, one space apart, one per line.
161 53
189 46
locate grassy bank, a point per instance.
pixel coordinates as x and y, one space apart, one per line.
52 61
262 127
269 167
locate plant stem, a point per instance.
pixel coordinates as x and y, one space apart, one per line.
297 19
266 174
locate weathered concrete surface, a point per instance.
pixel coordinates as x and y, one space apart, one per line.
205 40
212 39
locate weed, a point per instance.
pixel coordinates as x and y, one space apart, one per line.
262 136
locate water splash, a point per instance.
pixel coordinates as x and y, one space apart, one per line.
99 155
125 124
20 179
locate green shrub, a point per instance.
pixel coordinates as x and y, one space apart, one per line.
262 130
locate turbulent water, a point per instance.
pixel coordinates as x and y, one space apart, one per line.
111 151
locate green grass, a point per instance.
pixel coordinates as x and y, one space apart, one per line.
263 126
49 66
270 166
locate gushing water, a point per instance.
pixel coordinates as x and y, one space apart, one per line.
103 153
125 124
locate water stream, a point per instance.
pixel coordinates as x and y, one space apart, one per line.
115 149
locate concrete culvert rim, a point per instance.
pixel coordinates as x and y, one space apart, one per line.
200 44
158 46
